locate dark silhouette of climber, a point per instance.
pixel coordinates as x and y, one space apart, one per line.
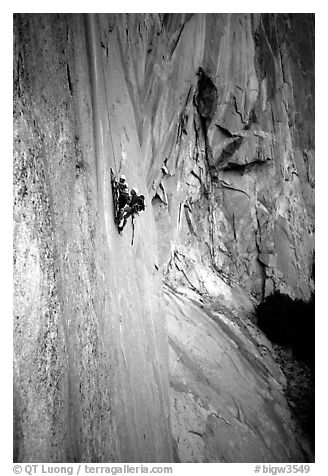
126 203
124 196
135 205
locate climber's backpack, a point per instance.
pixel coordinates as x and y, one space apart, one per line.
139 206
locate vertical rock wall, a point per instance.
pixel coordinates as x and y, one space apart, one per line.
91 358
229 150
211 117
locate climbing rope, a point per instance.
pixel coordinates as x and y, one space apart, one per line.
132 219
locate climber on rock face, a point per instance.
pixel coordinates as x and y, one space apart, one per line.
121 196
134 196
136 204
124 196
126 203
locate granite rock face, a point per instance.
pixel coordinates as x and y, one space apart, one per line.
239 160
91 355
145 352
227 402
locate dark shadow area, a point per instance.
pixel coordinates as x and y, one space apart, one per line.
205 101
230 150
252 120
206 96
290 325
289 322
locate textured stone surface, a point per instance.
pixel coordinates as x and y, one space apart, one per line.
212 118
227 403
252 148
91 356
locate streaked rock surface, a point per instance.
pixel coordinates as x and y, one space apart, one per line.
212 118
